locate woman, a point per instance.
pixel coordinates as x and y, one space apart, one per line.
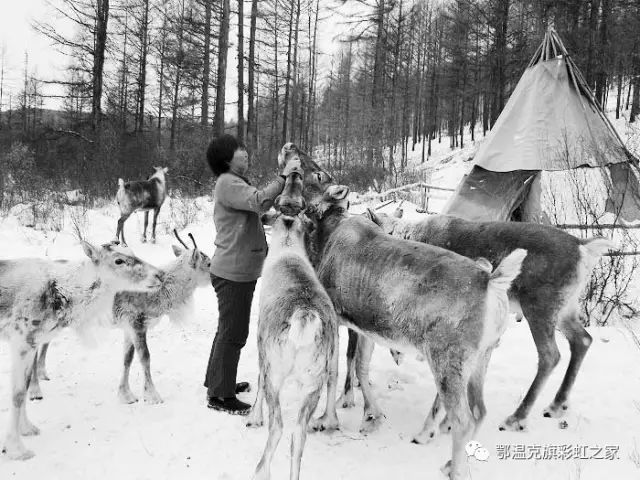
241 248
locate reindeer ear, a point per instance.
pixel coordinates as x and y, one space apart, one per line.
90 251
165 169
177 251
195 255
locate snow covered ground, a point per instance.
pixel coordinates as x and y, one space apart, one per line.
86 433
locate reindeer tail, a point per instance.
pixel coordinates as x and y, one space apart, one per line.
304 327
508 270
596 247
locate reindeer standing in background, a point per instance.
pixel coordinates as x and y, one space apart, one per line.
141 195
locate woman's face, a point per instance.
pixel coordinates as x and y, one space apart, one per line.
240 161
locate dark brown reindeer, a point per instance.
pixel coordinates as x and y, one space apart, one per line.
547 290
297 330
143 195
416 297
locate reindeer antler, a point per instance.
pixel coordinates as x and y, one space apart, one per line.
175 232
193 240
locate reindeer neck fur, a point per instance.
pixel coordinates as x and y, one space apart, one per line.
89 296
178 286
328 224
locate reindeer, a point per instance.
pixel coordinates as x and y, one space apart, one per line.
38 297
547 291
136 312
297 330
415 297
141 195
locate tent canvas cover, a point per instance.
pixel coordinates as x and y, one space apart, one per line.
551 123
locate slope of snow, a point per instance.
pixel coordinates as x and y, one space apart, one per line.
86 433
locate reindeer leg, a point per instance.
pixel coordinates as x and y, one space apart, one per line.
429 430
255 418
543 332
42 359
35 393
124 391
299 436
151 395
120 231
156 212
22 355
347 400
272 396
373 416
453 388
579 342
329 421
146 222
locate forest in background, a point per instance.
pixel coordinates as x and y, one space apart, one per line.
146 83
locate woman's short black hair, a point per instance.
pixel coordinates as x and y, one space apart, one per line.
220 153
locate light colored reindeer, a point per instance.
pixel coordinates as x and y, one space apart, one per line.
141 195
38 297
297 332
136 312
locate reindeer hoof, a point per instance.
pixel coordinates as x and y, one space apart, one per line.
19 453
347 400
42 375
555 411
445 426
423 438
324 424
35 395
513 424
152 398
255 423
127 397
143 240
371 423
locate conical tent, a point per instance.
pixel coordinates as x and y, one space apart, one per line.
551 122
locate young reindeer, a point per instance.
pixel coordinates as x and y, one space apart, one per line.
38 297
547 291
136 312
141 195
415 297
297 331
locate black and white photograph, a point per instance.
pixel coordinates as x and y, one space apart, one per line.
363 239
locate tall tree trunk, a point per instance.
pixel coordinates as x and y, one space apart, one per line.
499 80
142 79
223 47
251 120
601 76
287 88
178 79
241 70
295 73
100 43
313 63
206 64
377 99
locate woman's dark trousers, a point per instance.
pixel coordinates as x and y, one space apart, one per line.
234 311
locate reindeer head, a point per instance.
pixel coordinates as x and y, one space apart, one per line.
386 222
334 196
291 201
315 179
197 261
159 173
118 267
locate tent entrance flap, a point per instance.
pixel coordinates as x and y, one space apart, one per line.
484 195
